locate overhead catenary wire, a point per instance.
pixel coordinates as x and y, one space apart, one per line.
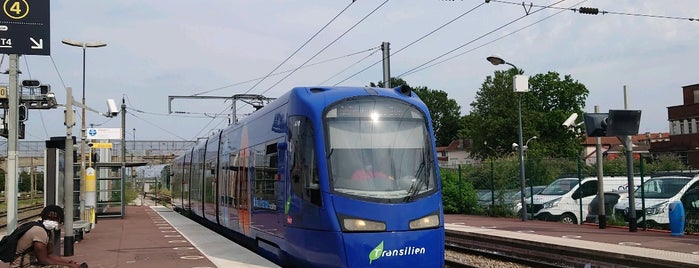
584 9
478 38
289 70
489 42
348 67
302 46
155 125
327 46
311 58
415 41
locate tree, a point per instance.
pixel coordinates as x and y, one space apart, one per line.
445 112
493 121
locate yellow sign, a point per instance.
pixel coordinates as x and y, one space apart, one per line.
102 145
90 180
3 92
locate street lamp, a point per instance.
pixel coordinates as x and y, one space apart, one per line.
520 83
84 46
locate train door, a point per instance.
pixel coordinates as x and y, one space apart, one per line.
243 184
282 185
303 202
187 182
224 193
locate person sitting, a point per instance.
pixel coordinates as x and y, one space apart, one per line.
369 173
34 248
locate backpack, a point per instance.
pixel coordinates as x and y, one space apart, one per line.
8 244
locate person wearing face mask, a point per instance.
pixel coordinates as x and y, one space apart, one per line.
34 247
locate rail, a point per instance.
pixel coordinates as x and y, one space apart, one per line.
550 254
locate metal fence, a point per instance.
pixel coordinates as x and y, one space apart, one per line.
135 148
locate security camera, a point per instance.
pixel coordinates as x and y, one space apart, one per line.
570 122
111 108
514 145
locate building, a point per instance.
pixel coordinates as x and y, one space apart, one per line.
684 133
613 148
456 153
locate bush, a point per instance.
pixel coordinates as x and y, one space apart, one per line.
458 195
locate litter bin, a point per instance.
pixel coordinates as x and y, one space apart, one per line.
676 218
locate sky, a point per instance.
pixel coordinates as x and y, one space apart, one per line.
157 49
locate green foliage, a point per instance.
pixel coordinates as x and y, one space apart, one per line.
502 174
458 195
665 162
129 195
550 101
616 220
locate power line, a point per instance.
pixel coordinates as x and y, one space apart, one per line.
488 43
327 46
152 124
348 67
478 38
289 70
595 11
416 40
302 46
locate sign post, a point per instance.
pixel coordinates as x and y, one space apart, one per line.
24 30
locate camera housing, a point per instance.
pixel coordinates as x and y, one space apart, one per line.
112 108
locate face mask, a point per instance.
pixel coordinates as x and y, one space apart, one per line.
50 225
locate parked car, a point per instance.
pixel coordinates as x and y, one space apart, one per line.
529 192
660 191
564 198
507 198
610 200
690 203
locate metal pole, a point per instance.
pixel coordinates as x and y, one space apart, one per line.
123 156
12 144
82 146
522 178
386 64
628 143
602 214
69 176
84 46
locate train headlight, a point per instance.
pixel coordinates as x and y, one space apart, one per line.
362 225
430 221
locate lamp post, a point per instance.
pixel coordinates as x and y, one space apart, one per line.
517 87
84 46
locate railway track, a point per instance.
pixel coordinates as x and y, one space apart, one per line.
538 254
24 214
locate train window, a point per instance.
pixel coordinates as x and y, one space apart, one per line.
265 194
302 161
385 138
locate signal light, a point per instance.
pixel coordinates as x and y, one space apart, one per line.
30 83
623 122
588 10
596 124
22 113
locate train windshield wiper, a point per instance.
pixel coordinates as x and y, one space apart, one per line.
417 184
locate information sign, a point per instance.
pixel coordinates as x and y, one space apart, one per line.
25 28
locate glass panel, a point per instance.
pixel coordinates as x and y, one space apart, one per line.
379 148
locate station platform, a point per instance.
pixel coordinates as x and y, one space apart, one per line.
654 244
156 236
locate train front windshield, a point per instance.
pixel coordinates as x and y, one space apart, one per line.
379 149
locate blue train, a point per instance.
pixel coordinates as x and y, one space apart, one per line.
323 177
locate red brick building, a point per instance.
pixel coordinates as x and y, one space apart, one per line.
684 132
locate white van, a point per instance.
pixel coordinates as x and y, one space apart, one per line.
660 190
561 200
